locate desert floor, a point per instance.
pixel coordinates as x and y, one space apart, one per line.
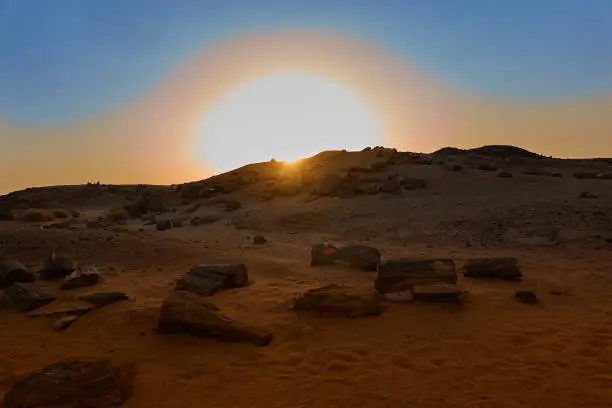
492 351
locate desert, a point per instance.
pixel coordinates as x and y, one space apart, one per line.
377 278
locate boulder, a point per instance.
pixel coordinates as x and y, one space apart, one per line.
259 240
500 268
322 254
206 280
25 297
12 271
188 313
402 274
74 384
98 300
359 256
526 296
438 293
57 266
163 225
504 174
335 300
81 278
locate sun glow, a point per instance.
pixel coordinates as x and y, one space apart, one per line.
285 117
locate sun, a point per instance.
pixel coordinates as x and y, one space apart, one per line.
285 117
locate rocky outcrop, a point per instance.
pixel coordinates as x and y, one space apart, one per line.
188 313
206 280
404 274
74 384
497 268
335 300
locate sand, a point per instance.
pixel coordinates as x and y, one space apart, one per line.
491 351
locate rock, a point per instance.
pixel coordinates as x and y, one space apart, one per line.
6 213
322 254
359 256
369 188
184 312
64 322
57 266
202 220
402 274
163 225
177 222
556 174
501 268
61 308
526 296
206 280
74 384
98 300
454 167
259 240
486 167
81 279
410 183
337 300
587 195
439 293
402 296
391 185
604 176
504 174
12 271
232 206
25 297
583 175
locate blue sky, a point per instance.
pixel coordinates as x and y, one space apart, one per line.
66 60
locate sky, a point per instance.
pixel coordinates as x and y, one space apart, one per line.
66 62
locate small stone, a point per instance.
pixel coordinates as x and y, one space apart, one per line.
526 296
98 300
206 280
12 271
505 174
259 240
322 254
57 266
26 297
202 220
64 322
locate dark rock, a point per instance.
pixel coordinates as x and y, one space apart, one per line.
486 167
57 266
454 167
184 312
604 176
64 322
232 206
505 174
583 175
322 254
587 195
61 308
206 219
410 183
439 293
163 225
369 188
526 296
6 213
501 268
359 256
81 279
25 297
556 174
391 185
206 280
402 274
98 300
177 222
336 300
259 240
12 271
74 384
